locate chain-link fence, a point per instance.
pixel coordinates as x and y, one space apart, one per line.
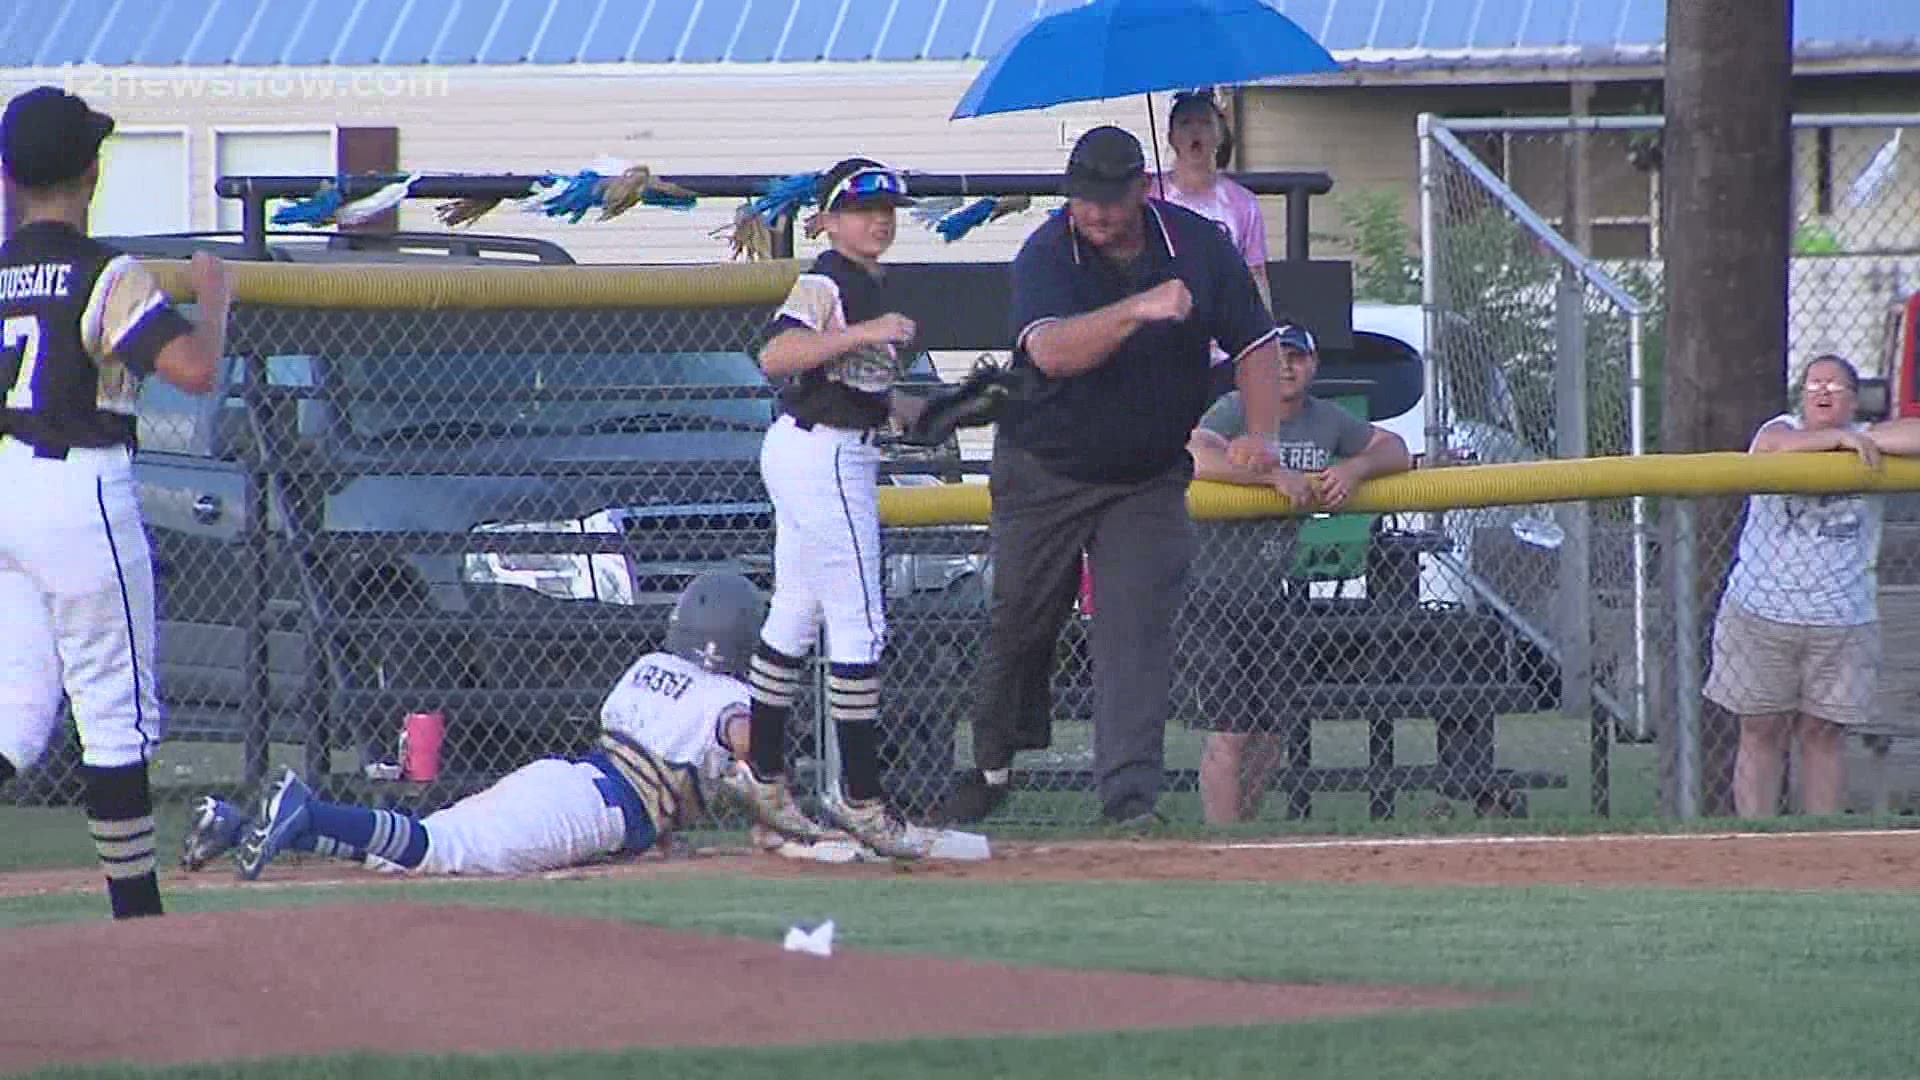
486 515
1520 213
1541 260
1534 351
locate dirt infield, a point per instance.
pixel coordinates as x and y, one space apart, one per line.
282 981
1879 859
453 979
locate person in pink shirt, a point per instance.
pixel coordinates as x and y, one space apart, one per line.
1202 146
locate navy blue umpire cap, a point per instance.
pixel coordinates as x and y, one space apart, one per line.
1299 339
1104 164
49 136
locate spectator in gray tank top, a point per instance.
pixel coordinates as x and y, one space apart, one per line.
1796 642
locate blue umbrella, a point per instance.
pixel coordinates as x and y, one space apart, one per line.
1116 48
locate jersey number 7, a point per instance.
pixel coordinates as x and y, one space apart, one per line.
20 335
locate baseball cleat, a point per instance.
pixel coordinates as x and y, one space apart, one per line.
216 829
878 826
283 816
772 804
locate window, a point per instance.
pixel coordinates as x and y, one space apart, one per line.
269 153
1623 196
143 184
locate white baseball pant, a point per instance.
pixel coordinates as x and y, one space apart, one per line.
76 601
826 545
546 815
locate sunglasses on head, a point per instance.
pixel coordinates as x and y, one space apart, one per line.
1187 98
865 183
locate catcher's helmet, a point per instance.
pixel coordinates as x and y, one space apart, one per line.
716 622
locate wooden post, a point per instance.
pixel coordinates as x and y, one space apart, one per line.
1729 70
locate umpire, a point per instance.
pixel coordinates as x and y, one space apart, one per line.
1115 304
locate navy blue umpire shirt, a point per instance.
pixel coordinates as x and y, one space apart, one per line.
1129 419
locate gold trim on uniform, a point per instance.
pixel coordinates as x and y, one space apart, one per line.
125 293
666 790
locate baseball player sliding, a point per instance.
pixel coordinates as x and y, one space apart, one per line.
671 727
81 325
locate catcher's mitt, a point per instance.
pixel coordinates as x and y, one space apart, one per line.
974 401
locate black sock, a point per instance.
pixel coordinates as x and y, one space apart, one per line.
120 817
773 678
7 770
853 702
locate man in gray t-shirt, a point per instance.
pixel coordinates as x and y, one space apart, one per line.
1324 453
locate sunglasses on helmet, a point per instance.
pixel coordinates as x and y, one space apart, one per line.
870 183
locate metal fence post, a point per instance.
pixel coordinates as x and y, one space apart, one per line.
1637 434
255 684
1437 451
1687 653
1574 567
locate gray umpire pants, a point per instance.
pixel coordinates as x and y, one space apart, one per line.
1140 542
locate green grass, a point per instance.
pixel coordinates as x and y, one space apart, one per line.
1612 983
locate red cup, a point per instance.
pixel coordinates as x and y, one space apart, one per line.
1086 586
420 737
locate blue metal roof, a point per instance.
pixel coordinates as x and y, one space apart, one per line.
398 32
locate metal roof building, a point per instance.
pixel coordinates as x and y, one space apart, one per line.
203 88
1397 33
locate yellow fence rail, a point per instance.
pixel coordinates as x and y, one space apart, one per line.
1472 486
474 288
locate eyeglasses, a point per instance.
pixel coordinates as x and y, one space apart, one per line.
1830 386
863 183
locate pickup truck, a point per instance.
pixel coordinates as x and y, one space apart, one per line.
483 514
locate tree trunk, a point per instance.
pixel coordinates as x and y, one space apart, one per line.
1726 214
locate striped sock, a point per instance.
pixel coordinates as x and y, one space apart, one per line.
853 701
773 678
120 817
334 849
355 832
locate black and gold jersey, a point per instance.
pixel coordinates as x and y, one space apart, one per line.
80 325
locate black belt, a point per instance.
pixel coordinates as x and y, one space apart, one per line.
40 450
867 435
58 451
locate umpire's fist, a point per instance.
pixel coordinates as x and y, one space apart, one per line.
1168 301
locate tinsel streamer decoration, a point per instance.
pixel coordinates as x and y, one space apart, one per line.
316 209
959 223
387 198
747 234
751 233
637 186
464 211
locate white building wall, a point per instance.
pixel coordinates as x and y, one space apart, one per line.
678 119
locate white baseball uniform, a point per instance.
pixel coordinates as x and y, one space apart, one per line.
821 466
80 326
662 727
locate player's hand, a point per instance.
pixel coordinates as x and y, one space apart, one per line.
1252 454
1335 485
1296 488
892 328
212 286
1168 301
1868 450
